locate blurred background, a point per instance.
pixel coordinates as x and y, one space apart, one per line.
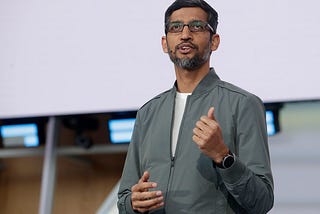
74 72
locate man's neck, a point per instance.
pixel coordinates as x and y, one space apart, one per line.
187 81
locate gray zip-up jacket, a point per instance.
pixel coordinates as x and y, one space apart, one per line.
190 182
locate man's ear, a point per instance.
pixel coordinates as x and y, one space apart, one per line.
215 42
164 44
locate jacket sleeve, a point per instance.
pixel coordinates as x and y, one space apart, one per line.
131 173
249 180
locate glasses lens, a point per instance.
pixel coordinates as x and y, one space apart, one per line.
197 26
175 27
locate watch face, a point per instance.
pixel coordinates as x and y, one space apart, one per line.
228 161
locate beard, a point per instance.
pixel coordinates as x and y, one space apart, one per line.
187 63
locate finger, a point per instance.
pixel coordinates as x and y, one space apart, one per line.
199 141
146 196
209 119
211 113
200 133
146 209
156 206
143 186
204 127
145 177
143 208
147 200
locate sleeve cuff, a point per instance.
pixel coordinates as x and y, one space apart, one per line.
233 174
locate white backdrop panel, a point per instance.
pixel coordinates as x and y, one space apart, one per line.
79 56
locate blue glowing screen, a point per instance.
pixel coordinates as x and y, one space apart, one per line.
120 130
20 135
270 123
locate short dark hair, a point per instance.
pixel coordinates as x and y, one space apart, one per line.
178 4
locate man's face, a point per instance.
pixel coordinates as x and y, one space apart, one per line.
188 50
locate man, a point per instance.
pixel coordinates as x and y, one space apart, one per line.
200 147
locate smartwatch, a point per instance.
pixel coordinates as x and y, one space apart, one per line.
227 161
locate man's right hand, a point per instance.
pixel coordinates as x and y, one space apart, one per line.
142 199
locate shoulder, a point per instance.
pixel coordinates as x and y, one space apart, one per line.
237 93
238 99
156 99
154 103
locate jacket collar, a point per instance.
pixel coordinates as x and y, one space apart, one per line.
209 82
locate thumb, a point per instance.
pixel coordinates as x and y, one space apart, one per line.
211 113
145 177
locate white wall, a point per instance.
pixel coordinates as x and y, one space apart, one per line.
79 56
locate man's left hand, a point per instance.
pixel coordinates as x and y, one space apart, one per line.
207 135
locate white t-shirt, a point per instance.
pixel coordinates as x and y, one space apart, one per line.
180 103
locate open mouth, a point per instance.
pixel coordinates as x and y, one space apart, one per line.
185 48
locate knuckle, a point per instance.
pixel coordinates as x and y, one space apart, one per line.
211 131
201 144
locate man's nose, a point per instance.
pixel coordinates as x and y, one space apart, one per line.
185 33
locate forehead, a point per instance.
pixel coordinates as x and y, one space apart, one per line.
187 14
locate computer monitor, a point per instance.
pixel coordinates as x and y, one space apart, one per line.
21 133
120 127
271 128
120 130
272 118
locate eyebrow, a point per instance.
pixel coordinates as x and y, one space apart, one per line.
193 20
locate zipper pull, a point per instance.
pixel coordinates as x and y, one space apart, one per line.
172 162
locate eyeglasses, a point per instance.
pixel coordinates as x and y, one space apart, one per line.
194 26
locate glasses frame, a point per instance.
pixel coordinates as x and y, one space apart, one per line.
182 25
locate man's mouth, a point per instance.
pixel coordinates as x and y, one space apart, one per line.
185 48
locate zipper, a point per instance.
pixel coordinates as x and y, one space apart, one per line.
172 163
172 160
173 157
